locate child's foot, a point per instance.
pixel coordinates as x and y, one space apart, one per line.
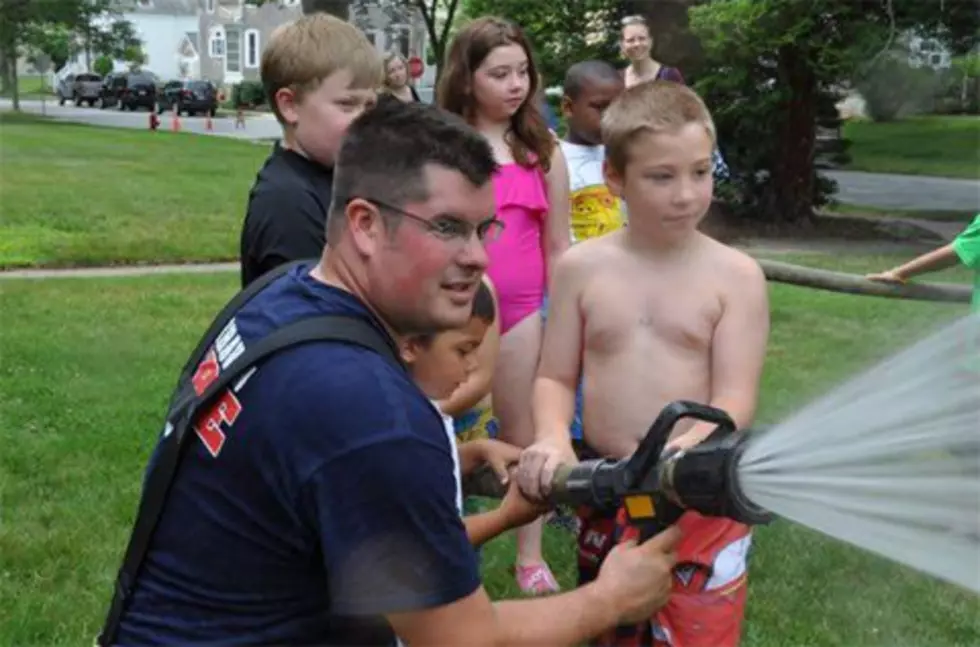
536 579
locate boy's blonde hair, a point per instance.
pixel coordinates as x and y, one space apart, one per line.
651 107
301 54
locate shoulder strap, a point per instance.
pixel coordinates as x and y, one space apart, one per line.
230 310
182 415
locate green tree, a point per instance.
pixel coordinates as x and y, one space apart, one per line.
134 55
56 42
561 33
103 65
20 19
772 71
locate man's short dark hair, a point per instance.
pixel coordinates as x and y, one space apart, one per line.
578 75
386 150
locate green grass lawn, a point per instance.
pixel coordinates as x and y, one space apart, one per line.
964 217
943 146
83 195
32 87
86 371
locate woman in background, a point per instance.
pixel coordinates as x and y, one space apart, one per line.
396 79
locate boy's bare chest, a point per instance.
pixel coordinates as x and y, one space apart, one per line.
649 313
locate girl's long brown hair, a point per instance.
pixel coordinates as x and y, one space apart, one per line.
532 142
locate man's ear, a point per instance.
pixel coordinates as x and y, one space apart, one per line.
614 179
363 220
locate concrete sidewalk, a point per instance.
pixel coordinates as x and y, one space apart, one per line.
127 270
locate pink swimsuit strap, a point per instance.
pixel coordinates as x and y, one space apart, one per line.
517 257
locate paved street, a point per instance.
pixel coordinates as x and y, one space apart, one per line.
868 189
257 126
907 191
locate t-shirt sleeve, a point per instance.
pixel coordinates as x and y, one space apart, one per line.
967 245
391 535
289 227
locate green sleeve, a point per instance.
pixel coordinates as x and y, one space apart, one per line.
967 245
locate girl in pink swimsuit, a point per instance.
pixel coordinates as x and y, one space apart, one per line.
490 79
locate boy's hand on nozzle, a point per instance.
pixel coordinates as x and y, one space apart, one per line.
499 456
890 276
638 578
517 509
537 467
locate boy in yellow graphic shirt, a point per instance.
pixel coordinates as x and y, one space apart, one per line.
590 86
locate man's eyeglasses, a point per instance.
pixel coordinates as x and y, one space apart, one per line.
448 228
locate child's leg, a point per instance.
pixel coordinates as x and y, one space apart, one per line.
512 384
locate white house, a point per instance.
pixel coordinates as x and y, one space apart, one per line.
168 32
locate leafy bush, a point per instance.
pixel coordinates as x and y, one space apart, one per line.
959 91
893 89
103 65
248 93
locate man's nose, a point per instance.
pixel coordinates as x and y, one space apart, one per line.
474 255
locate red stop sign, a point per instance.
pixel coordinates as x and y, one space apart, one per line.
415 67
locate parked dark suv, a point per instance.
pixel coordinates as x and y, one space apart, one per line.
129 90
191 97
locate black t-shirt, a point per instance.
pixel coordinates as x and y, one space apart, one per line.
287 213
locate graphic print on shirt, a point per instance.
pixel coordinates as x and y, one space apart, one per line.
595 210
212 424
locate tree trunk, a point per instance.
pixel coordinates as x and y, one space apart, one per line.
5 84
791 189
10 74
339 8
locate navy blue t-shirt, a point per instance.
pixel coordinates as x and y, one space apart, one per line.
316 497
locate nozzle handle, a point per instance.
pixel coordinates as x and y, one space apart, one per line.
641 465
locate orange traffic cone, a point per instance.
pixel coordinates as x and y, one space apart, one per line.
175 121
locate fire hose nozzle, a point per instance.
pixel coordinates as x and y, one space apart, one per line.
655 488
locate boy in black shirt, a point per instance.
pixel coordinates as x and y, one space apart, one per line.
319 73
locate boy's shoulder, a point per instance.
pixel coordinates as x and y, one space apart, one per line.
731 269
730 261
585 259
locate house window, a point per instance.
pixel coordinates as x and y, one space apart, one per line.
233 53
401 38
216 42
252 48
209 6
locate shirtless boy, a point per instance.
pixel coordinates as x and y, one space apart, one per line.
653 313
